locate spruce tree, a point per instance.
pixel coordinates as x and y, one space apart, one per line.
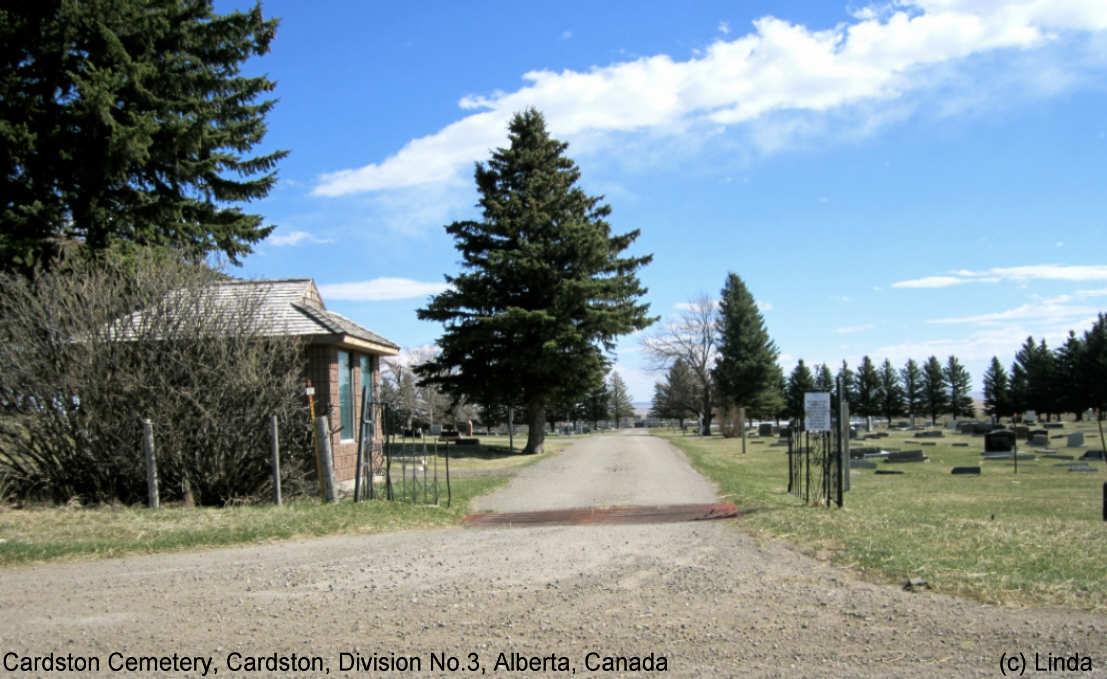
935 399
824 381
1070 386
743 371
912 388
127 122
621 406
799 383
891 395
997 397
546 290
849 386
959 382
867 389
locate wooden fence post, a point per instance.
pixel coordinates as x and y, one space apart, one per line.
323 435
151 463
276 459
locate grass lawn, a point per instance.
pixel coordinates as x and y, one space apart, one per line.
52 533
1036 538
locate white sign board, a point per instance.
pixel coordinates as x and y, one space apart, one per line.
816 411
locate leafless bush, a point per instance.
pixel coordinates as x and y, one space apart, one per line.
90 349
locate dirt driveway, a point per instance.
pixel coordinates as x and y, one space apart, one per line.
701 599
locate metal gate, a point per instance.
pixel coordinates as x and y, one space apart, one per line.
815 466
398 464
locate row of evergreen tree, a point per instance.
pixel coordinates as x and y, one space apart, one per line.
1070 379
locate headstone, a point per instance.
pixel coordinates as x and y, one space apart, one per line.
765 429
1092 455
1054 425
965 427
868 423
1081 468
862 464
1022 433
1075 440
928 443
889 471
1030 417
999 441
853 435
960 445
966 470
1055 456
1039 440
907 456
981 428
436 429
935 434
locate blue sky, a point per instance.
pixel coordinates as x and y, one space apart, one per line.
897 179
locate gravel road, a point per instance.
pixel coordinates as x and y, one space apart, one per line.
702 598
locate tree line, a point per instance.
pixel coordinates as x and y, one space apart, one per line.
716 356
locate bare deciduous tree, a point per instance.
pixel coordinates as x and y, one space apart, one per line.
689 337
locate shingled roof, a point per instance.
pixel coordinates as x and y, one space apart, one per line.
291 306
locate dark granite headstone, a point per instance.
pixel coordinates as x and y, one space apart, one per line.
1092 455
999 441
889 471
1022 433
907 456
1039 440
966 470
1054 425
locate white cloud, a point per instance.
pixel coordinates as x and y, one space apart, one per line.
764 306
1020 274
778 67
380 289
854 328
724 27
1052 312
295 238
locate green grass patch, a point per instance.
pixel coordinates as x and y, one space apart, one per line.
67 533
1035 538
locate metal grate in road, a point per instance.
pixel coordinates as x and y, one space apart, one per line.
606 515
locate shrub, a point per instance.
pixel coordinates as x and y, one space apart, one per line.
92 347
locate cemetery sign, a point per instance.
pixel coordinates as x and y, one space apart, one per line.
816 410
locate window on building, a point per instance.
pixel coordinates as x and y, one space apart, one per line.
345 396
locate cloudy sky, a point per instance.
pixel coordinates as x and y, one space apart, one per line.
895 180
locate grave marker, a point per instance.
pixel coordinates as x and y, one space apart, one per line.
1075 440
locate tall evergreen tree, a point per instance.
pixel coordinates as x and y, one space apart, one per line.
1093 363
867 389
934 393
891 396
799 383
547 290
596 404
824 381
1070 387
849 386
127 122
746 354
959 382
1018 391
912 388
621 406
997 396
676 397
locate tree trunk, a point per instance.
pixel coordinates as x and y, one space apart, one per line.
536 427
706 431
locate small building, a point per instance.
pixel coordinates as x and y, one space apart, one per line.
341 358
